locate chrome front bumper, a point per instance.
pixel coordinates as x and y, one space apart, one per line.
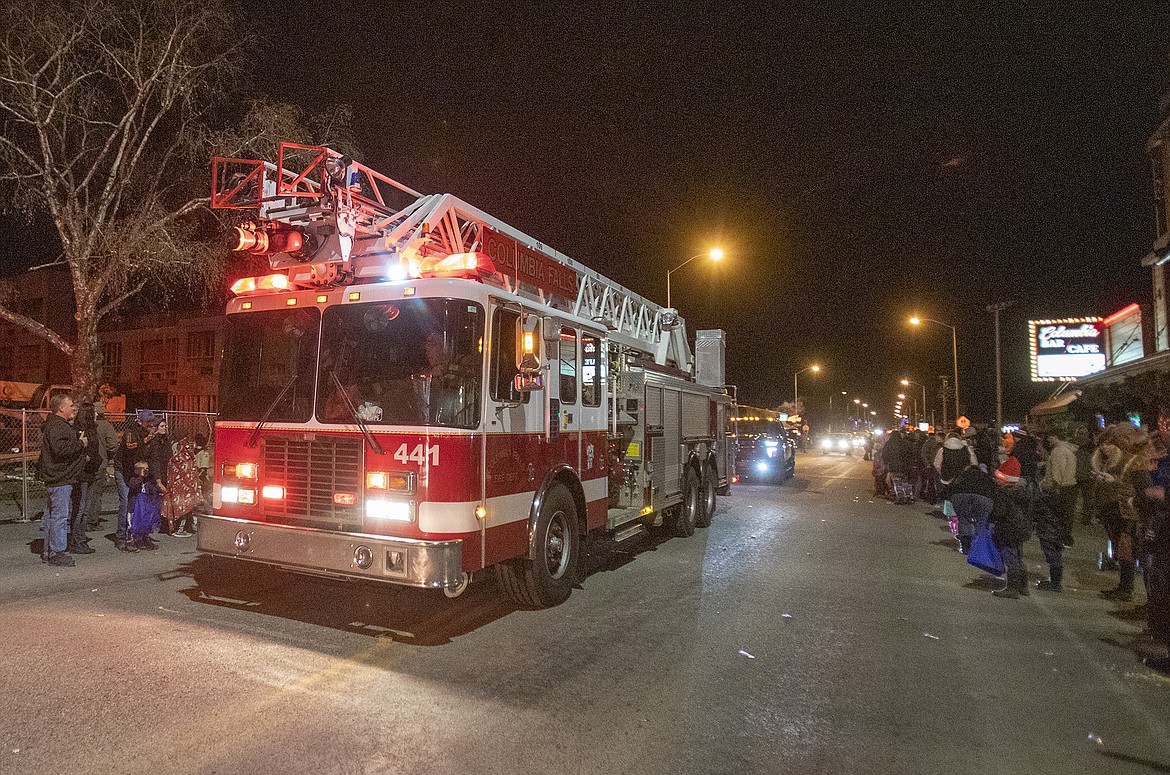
406 561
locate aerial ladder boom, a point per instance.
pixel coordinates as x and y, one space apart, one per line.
329 220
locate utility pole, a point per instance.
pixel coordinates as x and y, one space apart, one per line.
995 309
943 390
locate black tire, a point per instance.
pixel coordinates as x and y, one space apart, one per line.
690 510
707 494
548 579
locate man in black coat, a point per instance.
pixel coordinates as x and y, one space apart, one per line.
60 466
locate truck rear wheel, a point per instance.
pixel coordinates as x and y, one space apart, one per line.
708 496
547 578
690 510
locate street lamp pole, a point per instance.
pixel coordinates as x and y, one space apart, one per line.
714 254
831 409
954 351
908 383
795 386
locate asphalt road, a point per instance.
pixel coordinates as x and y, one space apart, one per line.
810 629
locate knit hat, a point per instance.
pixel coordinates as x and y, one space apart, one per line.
1009 471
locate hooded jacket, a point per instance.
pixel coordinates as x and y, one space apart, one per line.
952 458
974 481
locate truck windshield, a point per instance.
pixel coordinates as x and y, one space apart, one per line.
413 362
265 353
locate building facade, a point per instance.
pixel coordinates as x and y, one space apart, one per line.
43 295
1138 389
161 360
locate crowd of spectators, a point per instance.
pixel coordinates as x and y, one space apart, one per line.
1022 484
161 483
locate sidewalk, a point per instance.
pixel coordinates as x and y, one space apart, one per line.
23 575
1082 584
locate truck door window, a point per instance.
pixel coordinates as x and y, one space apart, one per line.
590 370
568 366
502 368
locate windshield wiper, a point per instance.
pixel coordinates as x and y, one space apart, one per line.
353 412
271 408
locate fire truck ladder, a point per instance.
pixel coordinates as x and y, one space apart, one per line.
395 227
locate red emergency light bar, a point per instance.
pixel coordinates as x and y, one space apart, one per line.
249 286
470 265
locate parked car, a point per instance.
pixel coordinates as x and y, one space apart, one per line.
764 451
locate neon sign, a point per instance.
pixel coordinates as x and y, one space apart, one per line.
1065 349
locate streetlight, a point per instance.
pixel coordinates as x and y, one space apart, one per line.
857 405
917 321
831 408
795 392
902 397
908 383
715 254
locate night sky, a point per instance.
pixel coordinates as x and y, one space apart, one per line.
856 166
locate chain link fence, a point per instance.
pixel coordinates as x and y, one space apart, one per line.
22 495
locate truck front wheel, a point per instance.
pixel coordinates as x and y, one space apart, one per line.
548 576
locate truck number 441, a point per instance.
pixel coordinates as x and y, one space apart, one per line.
421 454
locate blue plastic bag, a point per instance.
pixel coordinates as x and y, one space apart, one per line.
146 516
984 555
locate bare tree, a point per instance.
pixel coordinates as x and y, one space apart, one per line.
102 106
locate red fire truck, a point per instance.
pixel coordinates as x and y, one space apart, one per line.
417 392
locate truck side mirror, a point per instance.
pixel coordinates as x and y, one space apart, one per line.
529 377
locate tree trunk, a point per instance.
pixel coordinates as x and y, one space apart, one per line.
87 357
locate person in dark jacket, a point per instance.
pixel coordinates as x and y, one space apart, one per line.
898 454
972 495
952 457
104 441
145 506
86 425
1158 582
60 467
987 447
1011 526
1083 495
1026 451
131 450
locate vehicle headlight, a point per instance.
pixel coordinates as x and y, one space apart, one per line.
393 510
761 466
842 444
827 443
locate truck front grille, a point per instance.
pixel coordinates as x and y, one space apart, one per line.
312 471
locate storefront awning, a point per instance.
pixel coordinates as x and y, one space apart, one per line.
1056 404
